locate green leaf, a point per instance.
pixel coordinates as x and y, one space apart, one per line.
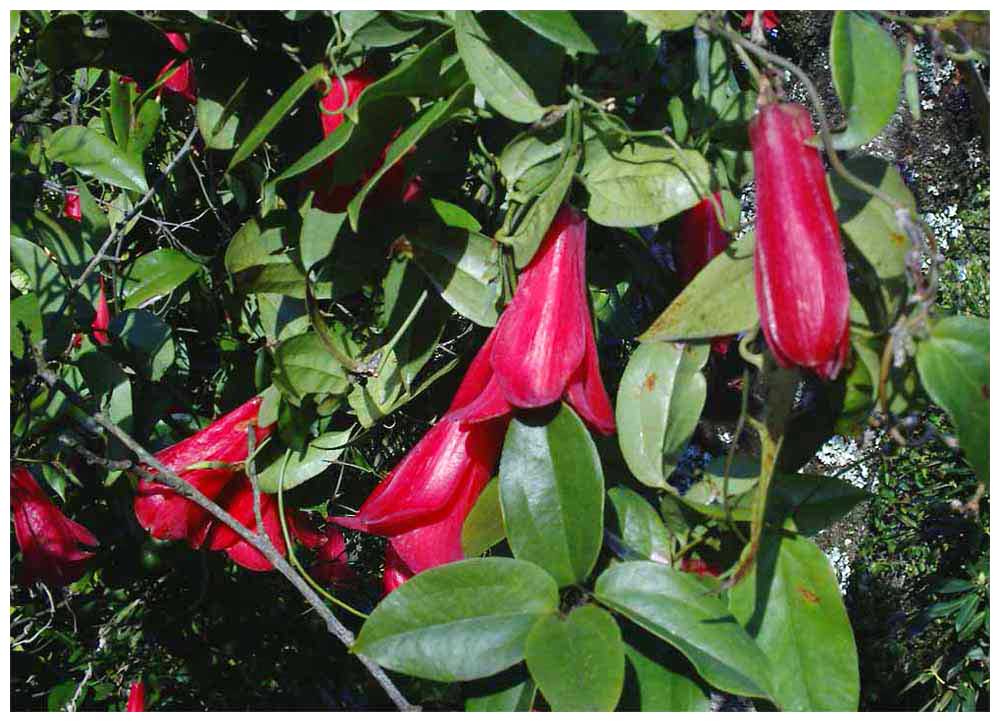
90 153
660 684
144 124
319 152
305 366
660 399
578 661
378 29
431 119
464 268
156 274
218 122
319 232
528 150
503 86
532 229
459 621
644 183
454 215
24 316
275 113
867 71
552 494
639 526
720 301
144 334
517 697
665 20
483 527
121 109
304 465
676 608
954 366
559 26
790 604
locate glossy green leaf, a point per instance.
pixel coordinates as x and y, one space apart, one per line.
302 466
517 697
463 267
483 527
306 366
121 109
528 150
867 71
552 494
156 274
91 154
790 604
145 121
319 152
675 607
639 526
459 621
644 183
658 680
429 120
532 229
373 29
720 301
319 232
559 26
25 316
954 366
275 113
146 335
660 399
578 661
665 20
503 86
454 215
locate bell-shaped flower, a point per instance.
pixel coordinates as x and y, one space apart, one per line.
395 573
799 269
50 542
102 316
207 460
542 349
331 566
71 205
238 501
181 81
136 698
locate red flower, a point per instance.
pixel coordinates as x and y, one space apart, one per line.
390 187
331 565
136 698
543 348
71 205
182 81
699 567
396 572
701 239
49 541
422 504
768 18
164 513
101 318
238 501
799 269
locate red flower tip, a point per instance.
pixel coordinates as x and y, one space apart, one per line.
699 567
49 541
799 269
331 565
136 698
181 82
102 316
543 347
71 205
768 18
396 572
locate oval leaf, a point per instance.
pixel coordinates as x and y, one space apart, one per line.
552 495
90 153
483 527
559 26
578 662
459 621
639 526
304 465
867 71
156 274
668 20
676 608
790 603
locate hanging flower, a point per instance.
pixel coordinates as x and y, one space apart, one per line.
768 19
182 81
331 565
102 316
71 205
136 698
799 269
395 573
542 349
49 541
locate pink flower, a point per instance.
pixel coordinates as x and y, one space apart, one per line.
71 205
164 513
49 541
422 503
542 349
102 316
181 82
768 18
136 698
799 268
396 572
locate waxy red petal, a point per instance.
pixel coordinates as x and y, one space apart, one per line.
102 316
181 82
136 698
479 396
586 392
799 269
541 335
396 572
238 501
71 206
331 565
